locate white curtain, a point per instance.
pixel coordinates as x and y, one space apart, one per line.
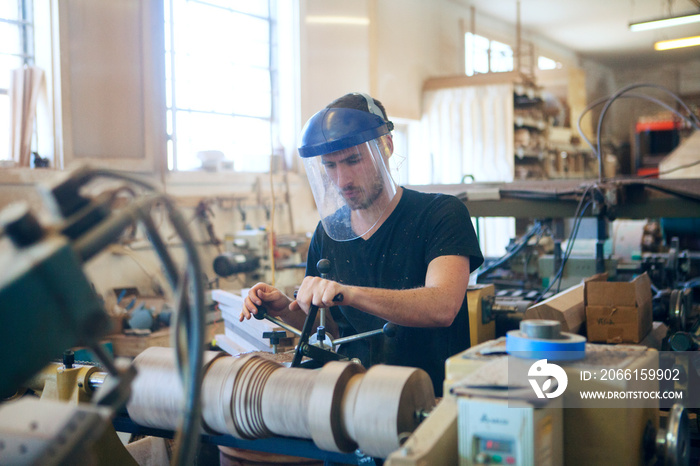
468 131
25 84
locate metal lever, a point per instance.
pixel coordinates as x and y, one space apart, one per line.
262 314
306 331
324 267
304 337
389 329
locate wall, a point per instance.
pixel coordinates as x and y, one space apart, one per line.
334 57
405 43
410 48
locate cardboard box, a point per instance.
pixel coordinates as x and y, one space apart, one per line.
566 307
618 312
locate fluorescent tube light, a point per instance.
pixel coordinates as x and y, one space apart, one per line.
677 43
347 20
664 22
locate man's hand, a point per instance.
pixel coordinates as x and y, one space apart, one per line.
266 295
319 292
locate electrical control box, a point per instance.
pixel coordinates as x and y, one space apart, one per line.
509 432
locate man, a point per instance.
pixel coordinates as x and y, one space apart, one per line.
396 255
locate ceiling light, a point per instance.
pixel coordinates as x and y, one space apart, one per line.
348 20
677 43
664 22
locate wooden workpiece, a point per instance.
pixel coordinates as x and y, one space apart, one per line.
341 407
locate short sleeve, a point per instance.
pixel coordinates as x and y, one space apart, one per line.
314 254
452 232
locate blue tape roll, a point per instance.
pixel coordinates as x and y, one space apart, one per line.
568 347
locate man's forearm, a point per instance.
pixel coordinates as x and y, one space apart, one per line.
433 305
417 307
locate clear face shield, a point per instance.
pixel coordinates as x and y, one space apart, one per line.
352 188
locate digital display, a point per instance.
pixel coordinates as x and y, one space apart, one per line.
500 446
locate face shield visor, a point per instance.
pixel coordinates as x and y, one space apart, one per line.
352 188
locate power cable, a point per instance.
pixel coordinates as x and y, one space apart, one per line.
188 328
580 211
691 118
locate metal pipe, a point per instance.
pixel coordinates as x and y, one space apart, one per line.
284 325
360 336
97 379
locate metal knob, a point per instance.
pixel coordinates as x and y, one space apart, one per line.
324 267
68 359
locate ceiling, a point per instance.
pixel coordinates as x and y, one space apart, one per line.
599 29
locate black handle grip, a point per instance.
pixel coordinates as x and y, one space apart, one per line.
323 266
262 312
389 329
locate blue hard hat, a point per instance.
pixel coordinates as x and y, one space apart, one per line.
334 129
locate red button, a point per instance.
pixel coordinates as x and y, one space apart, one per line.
510 460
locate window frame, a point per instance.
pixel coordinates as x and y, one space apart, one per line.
174 160
469 55
26 24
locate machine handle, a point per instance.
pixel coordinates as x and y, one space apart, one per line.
304 337
389 329
262 314
306 331
323 266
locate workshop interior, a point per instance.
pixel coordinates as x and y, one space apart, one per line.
150 176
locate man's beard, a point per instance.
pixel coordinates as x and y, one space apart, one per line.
367 196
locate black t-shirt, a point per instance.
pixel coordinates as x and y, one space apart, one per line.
421 228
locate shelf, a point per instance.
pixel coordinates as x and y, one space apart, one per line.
522 122
529 155
525 101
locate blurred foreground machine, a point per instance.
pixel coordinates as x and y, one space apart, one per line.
49 306
493 416
63 413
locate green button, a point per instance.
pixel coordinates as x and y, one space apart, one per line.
496 458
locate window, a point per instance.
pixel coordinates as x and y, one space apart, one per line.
16 50
545 63
484 55
219 81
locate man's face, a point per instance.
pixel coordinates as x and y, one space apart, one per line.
355 175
